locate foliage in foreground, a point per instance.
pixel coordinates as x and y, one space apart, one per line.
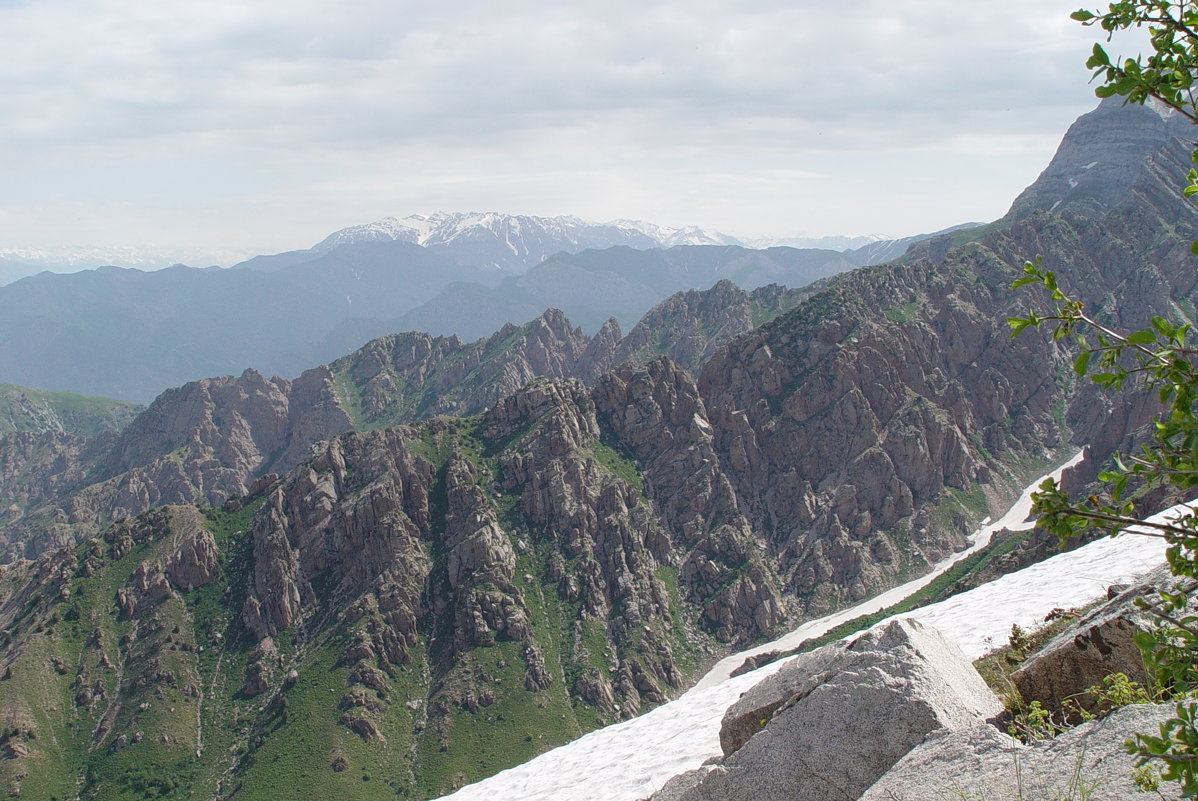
1159 359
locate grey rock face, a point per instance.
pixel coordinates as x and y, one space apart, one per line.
1100 158
981 762
838 719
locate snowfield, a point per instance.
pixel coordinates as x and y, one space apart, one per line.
630 760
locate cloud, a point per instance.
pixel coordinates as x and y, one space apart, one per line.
282 98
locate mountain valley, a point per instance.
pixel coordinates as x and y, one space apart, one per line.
432 559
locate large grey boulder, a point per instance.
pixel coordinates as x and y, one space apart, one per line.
839 718
1097 645
981 762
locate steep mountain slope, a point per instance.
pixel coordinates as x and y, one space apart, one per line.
1101 158
898 385
212 438
27 409
447 591
395 598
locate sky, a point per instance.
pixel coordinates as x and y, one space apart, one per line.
250 126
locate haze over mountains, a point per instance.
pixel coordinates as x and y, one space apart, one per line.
129 334
439 229
430 559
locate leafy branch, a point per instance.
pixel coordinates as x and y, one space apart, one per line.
1157 358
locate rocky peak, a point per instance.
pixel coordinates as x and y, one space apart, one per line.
1100 158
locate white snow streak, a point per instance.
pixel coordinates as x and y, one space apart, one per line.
630 760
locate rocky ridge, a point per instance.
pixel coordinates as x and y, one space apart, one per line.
414 584
210 439
538 564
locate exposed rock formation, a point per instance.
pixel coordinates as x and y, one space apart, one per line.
656 414
690 326
1086 762
209 439
830 723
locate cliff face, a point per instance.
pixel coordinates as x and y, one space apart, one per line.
412 591
210 439
199 443
691 326
385 593
1101 158
844 429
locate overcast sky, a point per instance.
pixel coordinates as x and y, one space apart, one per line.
263 126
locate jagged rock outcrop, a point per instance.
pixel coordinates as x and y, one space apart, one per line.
191 563
410 376
844 424
690 326
36 471
209 439
421 541
830 723
201 442
836 422
656 414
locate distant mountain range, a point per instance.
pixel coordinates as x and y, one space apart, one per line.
507 242
355 595
130 334
17 263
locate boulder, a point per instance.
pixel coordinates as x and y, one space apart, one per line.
830 723
1097 645
982 762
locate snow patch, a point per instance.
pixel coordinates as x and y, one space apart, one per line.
630 760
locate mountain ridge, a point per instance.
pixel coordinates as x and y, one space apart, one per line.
423 602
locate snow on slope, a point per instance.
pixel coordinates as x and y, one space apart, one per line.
631 760
446 227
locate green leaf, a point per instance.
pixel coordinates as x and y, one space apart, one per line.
1017 325
1098 58
1081 362
1145 337
1081 15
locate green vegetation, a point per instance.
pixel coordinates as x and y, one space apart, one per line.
1159 358
621 467
903 313
943 586
166 713
25 409
997 666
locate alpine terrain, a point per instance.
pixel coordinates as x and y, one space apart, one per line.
431 559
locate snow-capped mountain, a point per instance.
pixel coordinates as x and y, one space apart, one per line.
516 242
670 237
